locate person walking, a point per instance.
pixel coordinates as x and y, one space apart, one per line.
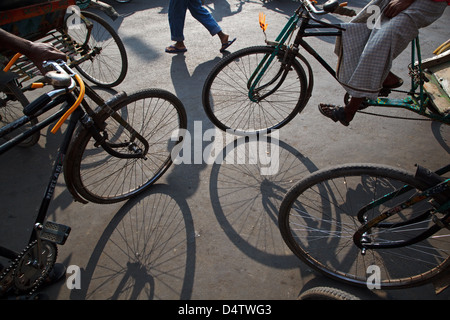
177 16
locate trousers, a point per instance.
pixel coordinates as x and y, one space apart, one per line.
366 50
177 17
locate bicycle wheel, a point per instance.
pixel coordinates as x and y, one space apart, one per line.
100 177
226 95
107 65
327 293
318 218
12 102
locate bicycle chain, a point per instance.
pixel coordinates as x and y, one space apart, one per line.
416 73
7 278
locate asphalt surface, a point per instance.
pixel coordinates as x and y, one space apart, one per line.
212 228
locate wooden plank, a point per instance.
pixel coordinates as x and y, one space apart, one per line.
431 62
442 74
439 98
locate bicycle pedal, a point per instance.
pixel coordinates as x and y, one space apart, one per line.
54 232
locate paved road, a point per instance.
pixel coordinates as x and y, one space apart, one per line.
208 231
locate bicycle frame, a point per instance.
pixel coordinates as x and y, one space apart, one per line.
426 195
292 52
88 119
417 102
57 167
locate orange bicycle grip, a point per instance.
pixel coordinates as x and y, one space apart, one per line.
72 108
37 85
12 61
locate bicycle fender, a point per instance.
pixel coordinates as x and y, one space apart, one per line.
310 77
76 197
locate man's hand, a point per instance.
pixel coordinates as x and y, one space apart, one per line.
396 6
35 51
40 52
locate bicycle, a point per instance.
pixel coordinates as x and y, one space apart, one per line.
262 88
108 154
93 46
371 224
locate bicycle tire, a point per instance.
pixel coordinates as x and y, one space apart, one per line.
318 217
109 67
100 177
12 102
225 93
327 293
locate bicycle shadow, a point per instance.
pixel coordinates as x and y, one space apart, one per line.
189 92
126 9
146 252
438 129
246 196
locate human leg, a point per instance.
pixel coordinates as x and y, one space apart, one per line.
202 15
177 17
365 70
377 47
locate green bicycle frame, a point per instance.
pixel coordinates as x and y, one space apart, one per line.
417 100
267 60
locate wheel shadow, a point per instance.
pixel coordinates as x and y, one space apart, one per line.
147 252
246 194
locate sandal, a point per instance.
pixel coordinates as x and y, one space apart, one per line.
226 45
335 113
173 49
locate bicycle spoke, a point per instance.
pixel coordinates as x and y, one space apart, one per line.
226 93
320 221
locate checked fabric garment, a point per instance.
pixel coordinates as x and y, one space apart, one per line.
372 41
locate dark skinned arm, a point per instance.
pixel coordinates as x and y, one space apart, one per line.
35 51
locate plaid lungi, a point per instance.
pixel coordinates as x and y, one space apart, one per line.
370 42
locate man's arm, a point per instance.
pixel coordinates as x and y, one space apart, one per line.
35 51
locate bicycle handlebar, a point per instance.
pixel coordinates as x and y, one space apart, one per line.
62 79
331 6
62 68
311 8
